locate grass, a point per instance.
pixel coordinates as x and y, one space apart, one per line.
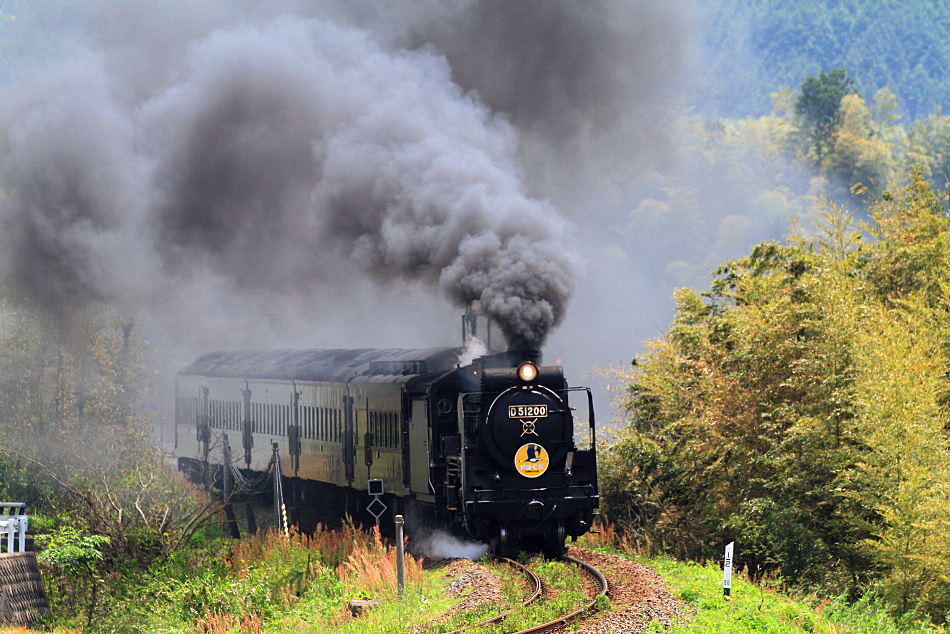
766 606
565 587
271 584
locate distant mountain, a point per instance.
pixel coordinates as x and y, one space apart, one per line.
753 47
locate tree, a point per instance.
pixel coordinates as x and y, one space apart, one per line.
75 435
803 406
857 153
818 103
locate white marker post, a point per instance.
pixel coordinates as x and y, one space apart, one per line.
400 556
727 570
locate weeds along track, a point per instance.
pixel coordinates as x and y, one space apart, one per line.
600 583
534 584
537 591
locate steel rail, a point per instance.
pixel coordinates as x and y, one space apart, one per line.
535 582
573 616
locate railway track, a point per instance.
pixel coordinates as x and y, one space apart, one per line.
534 583
536 592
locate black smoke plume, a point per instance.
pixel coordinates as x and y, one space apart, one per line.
278 158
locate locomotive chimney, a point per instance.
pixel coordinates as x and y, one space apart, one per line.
520 351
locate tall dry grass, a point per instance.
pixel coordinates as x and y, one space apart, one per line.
218 623
288 564
607 535
371 568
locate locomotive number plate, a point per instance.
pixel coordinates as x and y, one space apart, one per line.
527 411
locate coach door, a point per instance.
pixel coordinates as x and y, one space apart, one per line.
349 447
419 448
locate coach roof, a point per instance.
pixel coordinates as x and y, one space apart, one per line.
373 365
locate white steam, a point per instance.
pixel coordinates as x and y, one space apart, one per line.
474 348
441 545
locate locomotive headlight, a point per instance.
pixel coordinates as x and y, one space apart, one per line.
527 372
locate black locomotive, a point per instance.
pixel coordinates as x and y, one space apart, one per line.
486 447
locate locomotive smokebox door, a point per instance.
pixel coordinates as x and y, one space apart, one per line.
375 487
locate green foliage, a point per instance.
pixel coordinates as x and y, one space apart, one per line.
75 434
270 583
74 553
757 46
819 100
77 562
857 151
75 446
801 408
929 145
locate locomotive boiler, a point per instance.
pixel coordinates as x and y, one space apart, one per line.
485 447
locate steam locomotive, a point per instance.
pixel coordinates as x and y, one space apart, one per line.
485 447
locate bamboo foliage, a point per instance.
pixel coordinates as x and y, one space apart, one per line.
802 407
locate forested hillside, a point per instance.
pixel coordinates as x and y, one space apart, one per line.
802 407
754 47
